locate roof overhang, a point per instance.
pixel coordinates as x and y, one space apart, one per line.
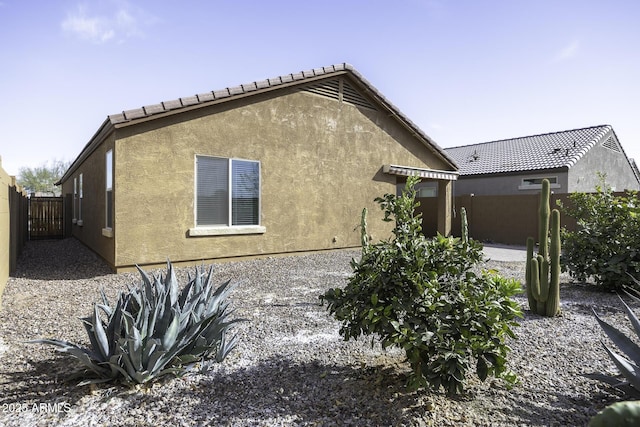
420 172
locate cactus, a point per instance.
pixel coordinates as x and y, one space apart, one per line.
465 226
543 291
619 414
364 237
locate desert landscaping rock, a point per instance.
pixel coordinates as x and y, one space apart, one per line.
291 367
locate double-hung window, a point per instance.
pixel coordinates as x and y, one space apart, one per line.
227 196
75 200
80 200
108 202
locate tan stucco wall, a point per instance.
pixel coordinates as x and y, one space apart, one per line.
93 203
320 160
5 226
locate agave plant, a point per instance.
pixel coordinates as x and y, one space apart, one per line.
154 329
628 366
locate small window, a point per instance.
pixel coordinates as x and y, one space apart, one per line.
109 190
75 200
535 183
79 222
427 189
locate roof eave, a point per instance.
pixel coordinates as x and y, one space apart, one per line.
103 132
463 175
118 123
292 80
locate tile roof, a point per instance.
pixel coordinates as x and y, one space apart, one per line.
226 93
536 152
149 112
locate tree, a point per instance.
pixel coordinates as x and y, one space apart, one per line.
42 179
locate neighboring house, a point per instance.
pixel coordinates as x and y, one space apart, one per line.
277 166
571 160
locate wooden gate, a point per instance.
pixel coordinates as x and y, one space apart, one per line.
46 218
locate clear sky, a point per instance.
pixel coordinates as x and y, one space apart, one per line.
463 71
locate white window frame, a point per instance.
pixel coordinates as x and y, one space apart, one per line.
107 231
75 200
80 222
228 229
553 182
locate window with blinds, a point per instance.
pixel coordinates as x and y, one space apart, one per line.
109 189
227 192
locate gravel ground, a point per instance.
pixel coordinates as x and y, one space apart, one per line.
290 367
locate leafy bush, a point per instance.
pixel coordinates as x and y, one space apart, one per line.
606 244
154 330
422 295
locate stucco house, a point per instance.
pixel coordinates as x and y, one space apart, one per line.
277 166
570 159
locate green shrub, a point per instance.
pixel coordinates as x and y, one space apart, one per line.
423 296
154 330
606 244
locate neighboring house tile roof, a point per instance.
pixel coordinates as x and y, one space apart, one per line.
537 152
150 112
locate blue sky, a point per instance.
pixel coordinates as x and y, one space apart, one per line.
463 71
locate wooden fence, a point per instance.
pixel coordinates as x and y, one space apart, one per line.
46 219
506 220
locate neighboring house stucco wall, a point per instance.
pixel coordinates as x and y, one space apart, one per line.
321 163
583 176
93 202
507 184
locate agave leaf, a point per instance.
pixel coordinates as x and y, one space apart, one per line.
115 364
86 357
105 308
627 369
88 326
149 349
170 335
216 301
134 347
633 319
185 293
624 343
197 281
164 319
157 362
177 371
145 277
172 284
100 334
114 325
128 365
105 301
94 381
225 348
141 377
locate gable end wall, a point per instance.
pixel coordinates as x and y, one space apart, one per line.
321 163
583 176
